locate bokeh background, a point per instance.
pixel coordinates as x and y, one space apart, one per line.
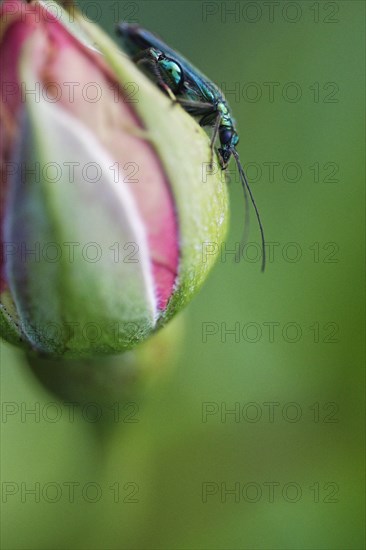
175 464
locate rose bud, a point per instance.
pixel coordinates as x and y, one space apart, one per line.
110 219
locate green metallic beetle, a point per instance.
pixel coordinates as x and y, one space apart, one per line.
200 97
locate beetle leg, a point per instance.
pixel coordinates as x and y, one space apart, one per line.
214 136
196 108
209 115
148 57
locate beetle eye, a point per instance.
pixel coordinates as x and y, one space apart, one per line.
225 136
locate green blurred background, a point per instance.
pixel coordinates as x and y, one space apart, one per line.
312 449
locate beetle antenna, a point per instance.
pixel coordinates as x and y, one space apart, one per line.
245 236
245 186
